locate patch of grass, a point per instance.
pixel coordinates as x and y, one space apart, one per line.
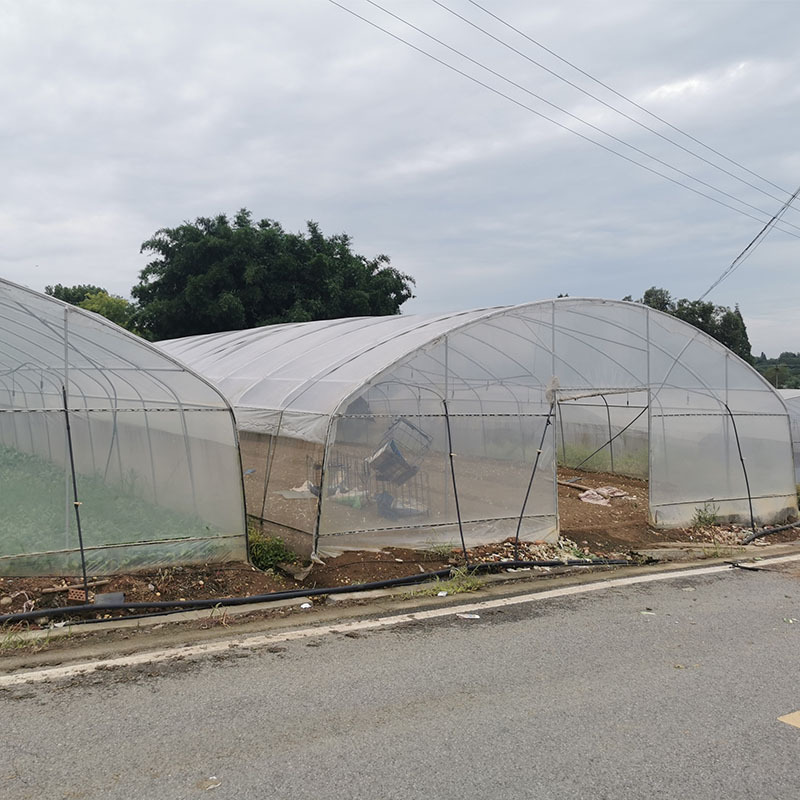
461 580
266 552
633 463
719 550
13 641
32 525
440 550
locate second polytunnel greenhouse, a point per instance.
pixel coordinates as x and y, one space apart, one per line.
792 399
113 456
419 430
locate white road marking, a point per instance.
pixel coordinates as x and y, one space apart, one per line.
258 641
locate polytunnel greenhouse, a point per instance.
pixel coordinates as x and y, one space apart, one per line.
112 455
416 430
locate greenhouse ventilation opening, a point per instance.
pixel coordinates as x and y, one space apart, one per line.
420 430
113 456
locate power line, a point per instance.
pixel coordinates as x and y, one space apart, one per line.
574 116
754 243
553 121
622 97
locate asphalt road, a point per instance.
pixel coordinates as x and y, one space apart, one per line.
585 697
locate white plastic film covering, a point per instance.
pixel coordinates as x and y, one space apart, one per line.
792 399
371 398
154 448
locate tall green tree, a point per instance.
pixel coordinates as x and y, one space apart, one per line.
725 324
96 299
782 372
214 274
74 295
111 306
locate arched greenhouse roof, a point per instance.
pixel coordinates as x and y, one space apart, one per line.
48 343
308 370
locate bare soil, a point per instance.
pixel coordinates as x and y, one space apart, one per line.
613 531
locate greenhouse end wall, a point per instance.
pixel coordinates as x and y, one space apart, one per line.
150 448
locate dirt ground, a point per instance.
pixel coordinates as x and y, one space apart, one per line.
617 530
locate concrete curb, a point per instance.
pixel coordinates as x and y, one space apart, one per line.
345 606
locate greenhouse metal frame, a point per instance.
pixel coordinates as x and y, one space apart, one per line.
113 456
432 429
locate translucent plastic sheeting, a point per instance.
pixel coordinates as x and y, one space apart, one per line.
792 399
154 448
415 496
601 370
605 433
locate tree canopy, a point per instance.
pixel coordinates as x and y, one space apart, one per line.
782 372
112 307
74 295
97 299
726 325
214 275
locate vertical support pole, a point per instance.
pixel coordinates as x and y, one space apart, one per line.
453 475
76 502
447 423
610 435
727 429
318 522
533 475
65 385
649 418
560 413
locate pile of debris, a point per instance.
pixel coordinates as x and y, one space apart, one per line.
563 550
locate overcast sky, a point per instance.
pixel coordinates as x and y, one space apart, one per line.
118 117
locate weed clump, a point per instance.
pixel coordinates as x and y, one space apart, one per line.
460 580
705 517
267 552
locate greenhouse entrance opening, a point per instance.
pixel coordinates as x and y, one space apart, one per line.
605 436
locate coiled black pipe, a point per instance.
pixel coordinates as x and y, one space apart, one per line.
767 531
165 606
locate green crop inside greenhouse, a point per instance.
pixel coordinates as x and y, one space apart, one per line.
113 456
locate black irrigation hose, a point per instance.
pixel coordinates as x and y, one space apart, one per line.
767 531
165 606
744 469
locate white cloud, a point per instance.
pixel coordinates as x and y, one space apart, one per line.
122 117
